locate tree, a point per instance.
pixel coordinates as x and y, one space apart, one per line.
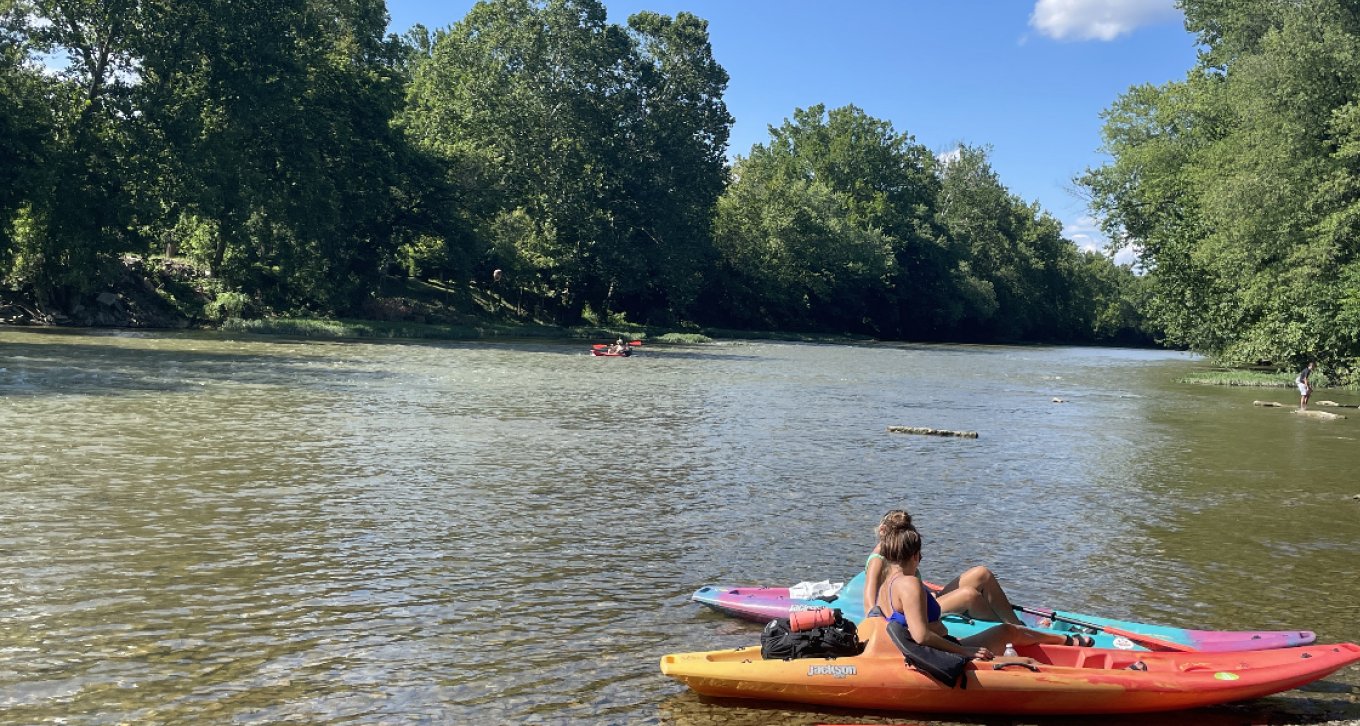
1236 184
597 151
80 207
838 198
25 126
1026 272
673 165
793 255
273 116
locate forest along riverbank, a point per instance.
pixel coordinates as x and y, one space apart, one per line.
211 527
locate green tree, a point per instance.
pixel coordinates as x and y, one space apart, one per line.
794 257
25 126
1112 299
80 208
672 166
591 154
1026 273
273 121
866 184
520 99
1236 184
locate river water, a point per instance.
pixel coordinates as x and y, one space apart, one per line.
205 529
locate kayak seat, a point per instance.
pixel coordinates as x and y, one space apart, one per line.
874 632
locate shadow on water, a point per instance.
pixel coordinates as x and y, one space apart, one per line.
114 371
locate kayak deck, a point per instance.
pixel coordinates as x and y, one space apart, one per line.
762 604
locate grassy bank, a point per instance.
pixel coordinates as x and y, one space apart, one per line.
1252 378
327 328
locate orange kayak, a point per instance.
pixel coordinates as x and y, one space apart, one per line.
1043 679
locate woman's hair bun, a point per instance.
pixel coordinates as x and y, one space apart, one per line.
897 519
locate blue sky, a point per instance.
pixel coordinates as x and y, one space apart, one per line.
1028 78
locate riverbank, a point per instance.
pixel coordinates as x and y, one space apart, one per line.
170 293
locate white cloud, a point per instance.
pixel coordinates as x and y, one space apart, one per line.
1128 257
1098 19
1085 233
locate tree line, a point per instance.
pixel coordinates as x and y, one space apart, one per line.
299 154
1239 186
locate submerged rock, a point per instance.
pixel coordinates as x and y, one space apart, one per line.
1320 414
931 432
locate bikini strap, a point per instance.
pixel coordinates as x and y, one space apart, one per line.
888 585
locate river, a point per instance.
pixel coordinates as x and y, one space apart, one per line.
199 528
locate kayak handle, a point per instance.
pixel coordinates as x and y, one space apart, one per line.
1003 666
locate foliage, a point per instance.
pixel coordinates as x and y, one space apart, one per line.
1257 379
1030 279
842 223
305 161
24 124
1239 186
253 135
590 153
227 306
683 338
817 226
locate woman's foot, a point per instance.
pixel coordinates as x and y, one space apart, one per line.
1079 639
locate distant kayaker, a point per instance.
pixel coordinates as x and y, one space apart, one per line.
1303 381
905 599
618 346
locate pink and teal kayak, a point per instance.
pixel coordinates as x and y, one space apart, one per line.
762 604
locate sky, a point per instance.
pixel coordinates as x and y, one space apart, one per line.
1027 78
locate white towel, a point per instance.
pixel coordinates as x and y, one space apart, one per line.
815 590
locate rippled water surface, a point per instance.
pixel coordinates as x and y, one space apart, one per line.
200 529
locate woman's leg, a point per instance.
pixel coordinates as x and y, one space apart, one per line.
996 637
978 594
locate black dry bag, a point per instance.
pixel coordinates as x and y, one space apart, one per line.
839 639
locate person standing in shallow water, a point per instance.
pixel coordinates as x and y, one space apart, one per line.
1304 381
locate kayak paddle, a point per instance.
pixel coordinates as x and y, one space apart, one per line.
1147 641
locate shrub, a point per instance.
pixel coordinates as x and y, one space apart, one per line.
227 306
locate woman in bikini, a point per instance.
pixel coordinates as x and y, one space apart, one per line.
904 598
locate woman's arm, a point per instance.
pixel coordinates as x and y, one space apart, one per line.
909 595
873 572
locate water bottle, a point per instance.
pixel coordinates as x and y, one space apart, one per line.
1010 651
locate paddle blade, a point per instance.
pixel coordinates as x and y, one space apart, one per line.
599 346
1148 641
635 342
